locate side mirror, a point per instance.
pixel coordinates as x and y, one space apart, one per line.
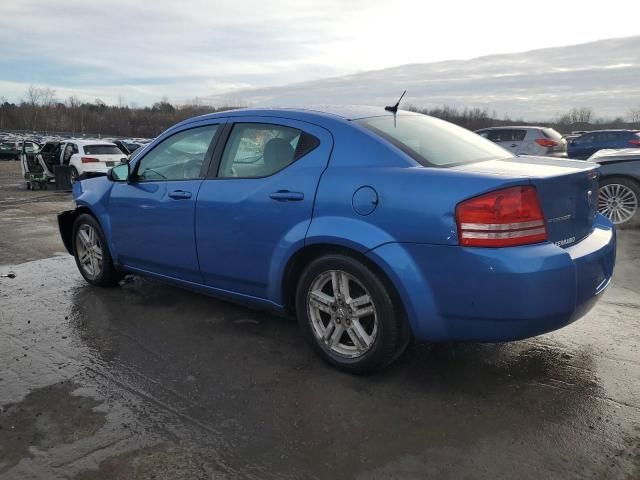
119 173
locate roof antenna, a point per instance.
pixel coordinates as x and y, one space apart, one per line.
394 109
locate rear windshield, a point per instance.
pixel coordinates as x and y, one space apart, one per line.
551 133
102 150
433 142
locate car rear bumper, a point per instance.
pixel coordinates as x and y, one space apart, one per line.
498 294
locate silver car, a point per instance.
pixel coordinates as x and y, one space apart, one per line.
542 141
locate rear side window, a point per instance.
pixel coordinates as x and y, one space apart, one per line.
102 150
256 150
506 135
433 142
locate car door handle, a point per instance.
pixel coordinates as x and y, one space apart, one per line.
514 144
287 196
180 194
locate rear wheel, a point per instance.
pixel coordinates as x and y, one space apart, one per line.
74 175
619 201
349 316
91 253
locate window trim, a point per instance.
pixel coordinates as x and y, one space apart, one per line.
221 125
216 163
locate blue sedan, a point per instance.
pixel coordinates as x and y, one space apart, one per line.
371 227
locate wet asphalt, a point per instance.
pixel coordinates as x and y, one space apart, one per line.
150 381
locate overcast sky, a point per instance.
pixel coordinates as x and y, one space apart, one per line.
142 51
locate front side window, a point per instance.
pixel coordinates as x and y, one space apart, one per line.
433 142
179 157
258 150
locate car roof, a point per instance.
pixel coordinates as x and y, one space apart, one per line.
328 112
512 127
89 142
605 130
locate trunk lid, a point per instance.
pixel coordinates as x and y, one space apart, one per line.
567 191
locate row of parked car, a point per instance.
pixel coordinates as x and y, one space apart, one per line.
617 151
548 142
11 147
82 156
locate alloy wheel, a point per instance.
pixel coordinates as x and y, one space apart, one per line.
617 202
89 250
342 313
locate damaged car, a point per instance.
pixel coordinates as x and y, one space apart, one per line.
372 226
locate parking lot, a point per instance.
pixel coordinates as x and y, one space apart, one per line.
150 381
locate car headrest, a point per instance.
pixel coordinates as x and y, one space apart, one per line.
278 153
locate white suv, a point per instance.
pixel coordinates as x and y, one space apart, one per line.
90 156
543 141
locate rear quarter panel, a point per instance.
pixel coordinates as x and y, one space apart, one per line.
414 203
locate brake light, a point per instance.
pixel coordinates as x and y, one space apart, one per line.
635 143
545 142
504 218
89 160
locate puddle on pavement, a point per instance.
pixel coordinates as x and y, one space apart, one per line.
164 460
45 418
213 384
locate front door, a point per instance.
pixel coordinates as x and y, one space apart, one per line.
152 215
259 201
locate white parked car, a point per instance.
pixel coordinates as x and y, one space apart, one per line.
541 141
95 156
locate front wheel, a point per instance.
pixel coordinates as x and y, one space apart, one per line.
349 316
91 253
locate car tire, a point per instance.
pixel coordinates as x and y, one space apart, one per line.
626 190
92 254
74 175
340 329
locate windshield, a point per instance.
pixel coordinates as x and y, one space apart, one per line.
102 150
433 142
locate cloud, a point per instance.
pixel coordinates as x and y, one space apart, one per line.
535 85
144 51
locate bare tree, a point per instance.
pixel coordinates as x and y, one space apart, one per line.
581 115
634 115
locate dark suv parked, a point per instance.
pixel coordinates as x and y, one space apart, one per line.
586 145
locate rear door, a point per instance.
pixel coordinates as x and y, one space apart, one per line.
258 201
511 139
152 215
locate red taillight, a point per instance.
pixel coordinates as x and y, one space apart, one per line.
635 143
89 160
504 218
545 142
